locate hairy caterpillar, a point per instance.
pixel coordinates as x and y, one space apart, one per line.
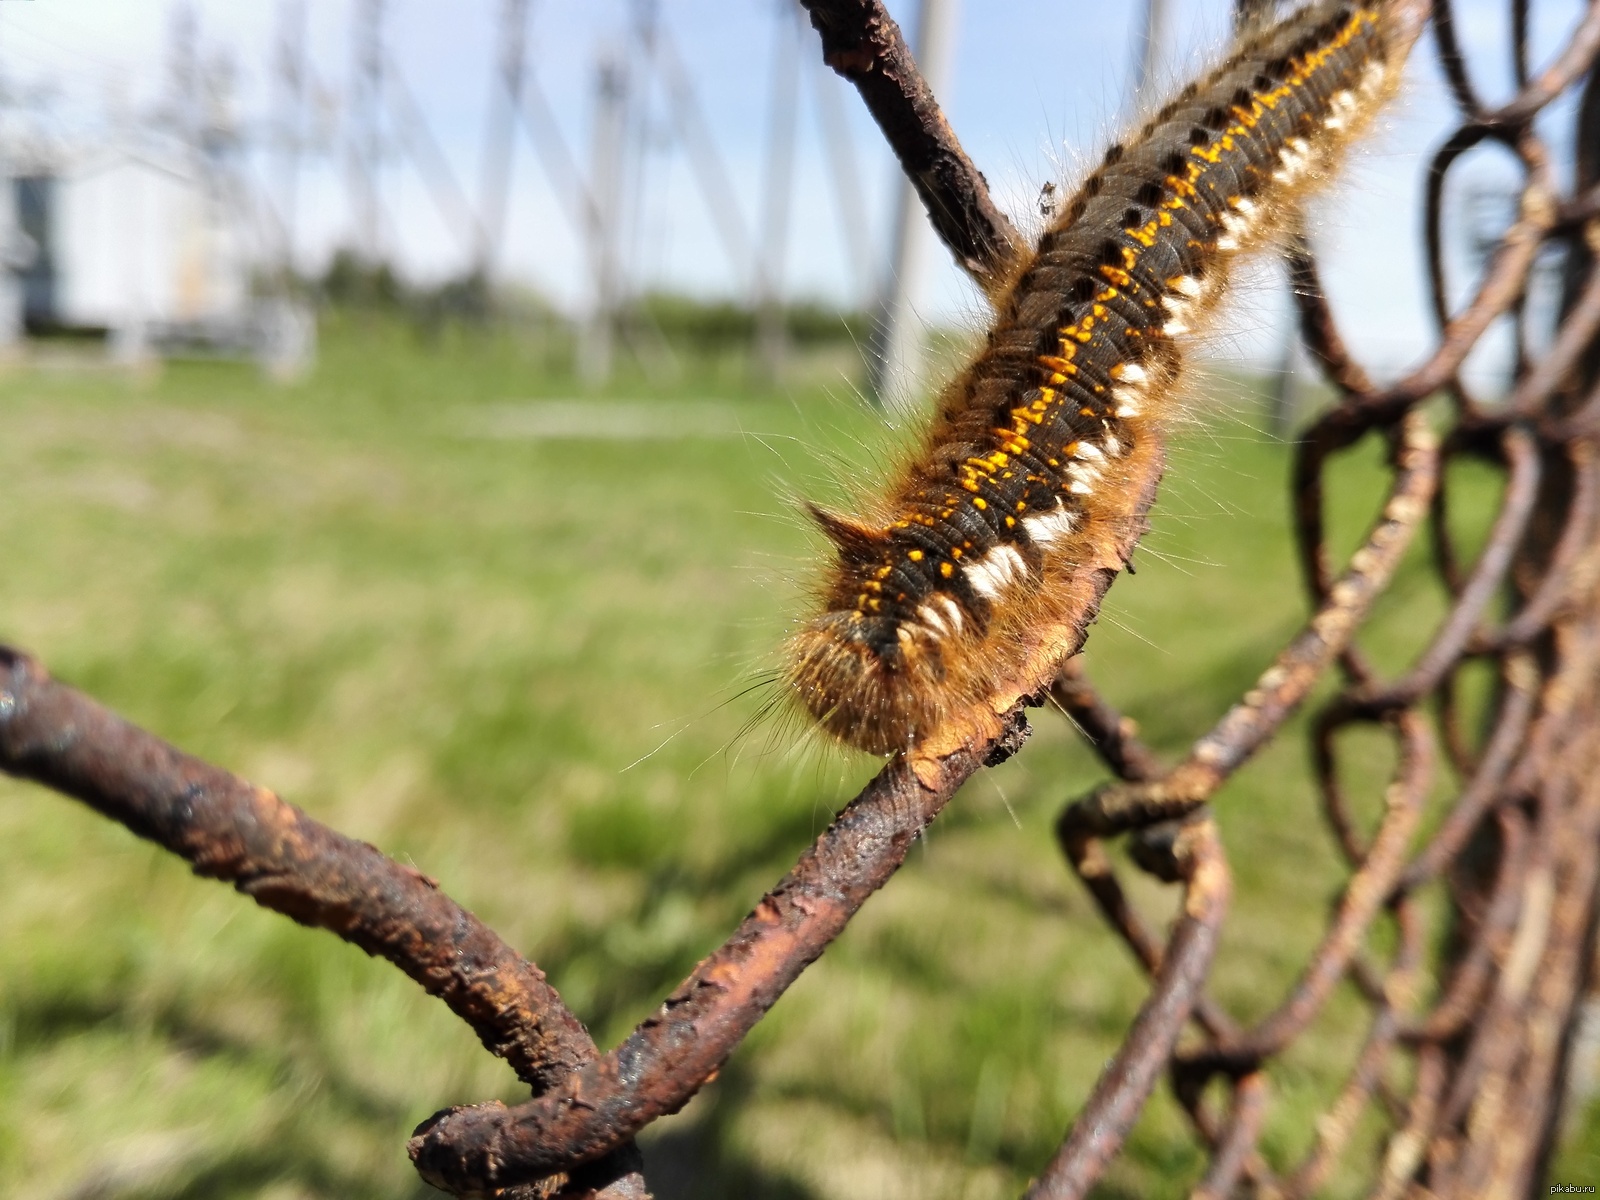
965 589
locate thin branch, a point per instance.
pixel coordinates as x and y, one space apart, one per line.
1576 57
1282 687
1573 551
1362 899
1487 580
861 41
674 1053
231 830
1238 1139
1554 369
278 856
1451 61
1120 1094
1503 282
1114 737
1318 329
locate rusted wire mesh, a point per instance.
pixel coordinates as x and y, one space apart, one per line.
1491 818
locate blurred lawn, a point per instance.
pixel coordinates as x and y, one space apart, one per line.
420 605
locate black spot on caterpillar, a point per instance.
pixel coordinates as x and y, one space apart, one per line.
970 583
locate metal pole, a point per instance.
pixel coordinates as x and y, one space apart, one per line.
771 334
559 163
194 267
895 369
14 256
711 175
291 80
610 127
499 142
1152 40
846 177
449 198
183 76
366 134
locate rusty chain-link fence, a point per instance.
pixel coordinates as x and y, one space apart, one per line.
1467 921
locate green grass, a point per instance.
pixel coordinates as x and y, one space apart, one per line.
525 665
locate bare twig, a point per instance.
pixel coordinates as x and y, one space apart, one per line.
673 1054
862 43
1114 736
1127 1082
272 852
1286 683
1318 329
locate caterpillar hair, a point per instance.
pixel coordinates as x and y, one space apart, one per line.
968 584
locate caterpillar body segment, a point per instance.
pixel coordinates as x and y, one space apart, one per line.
972 579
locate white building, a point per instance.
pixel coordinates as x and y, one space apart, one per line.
151 247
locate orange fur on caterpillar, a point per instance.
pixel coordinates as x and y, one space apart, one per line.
970 582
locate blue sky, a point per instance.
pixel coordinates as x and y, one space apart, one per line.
1037 87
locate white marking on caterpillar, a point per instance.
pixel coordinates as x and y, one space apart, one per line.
934 622
996 571
1051 526
1372 81
1339 109
1082 476
1296 159
1133 383
952 611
